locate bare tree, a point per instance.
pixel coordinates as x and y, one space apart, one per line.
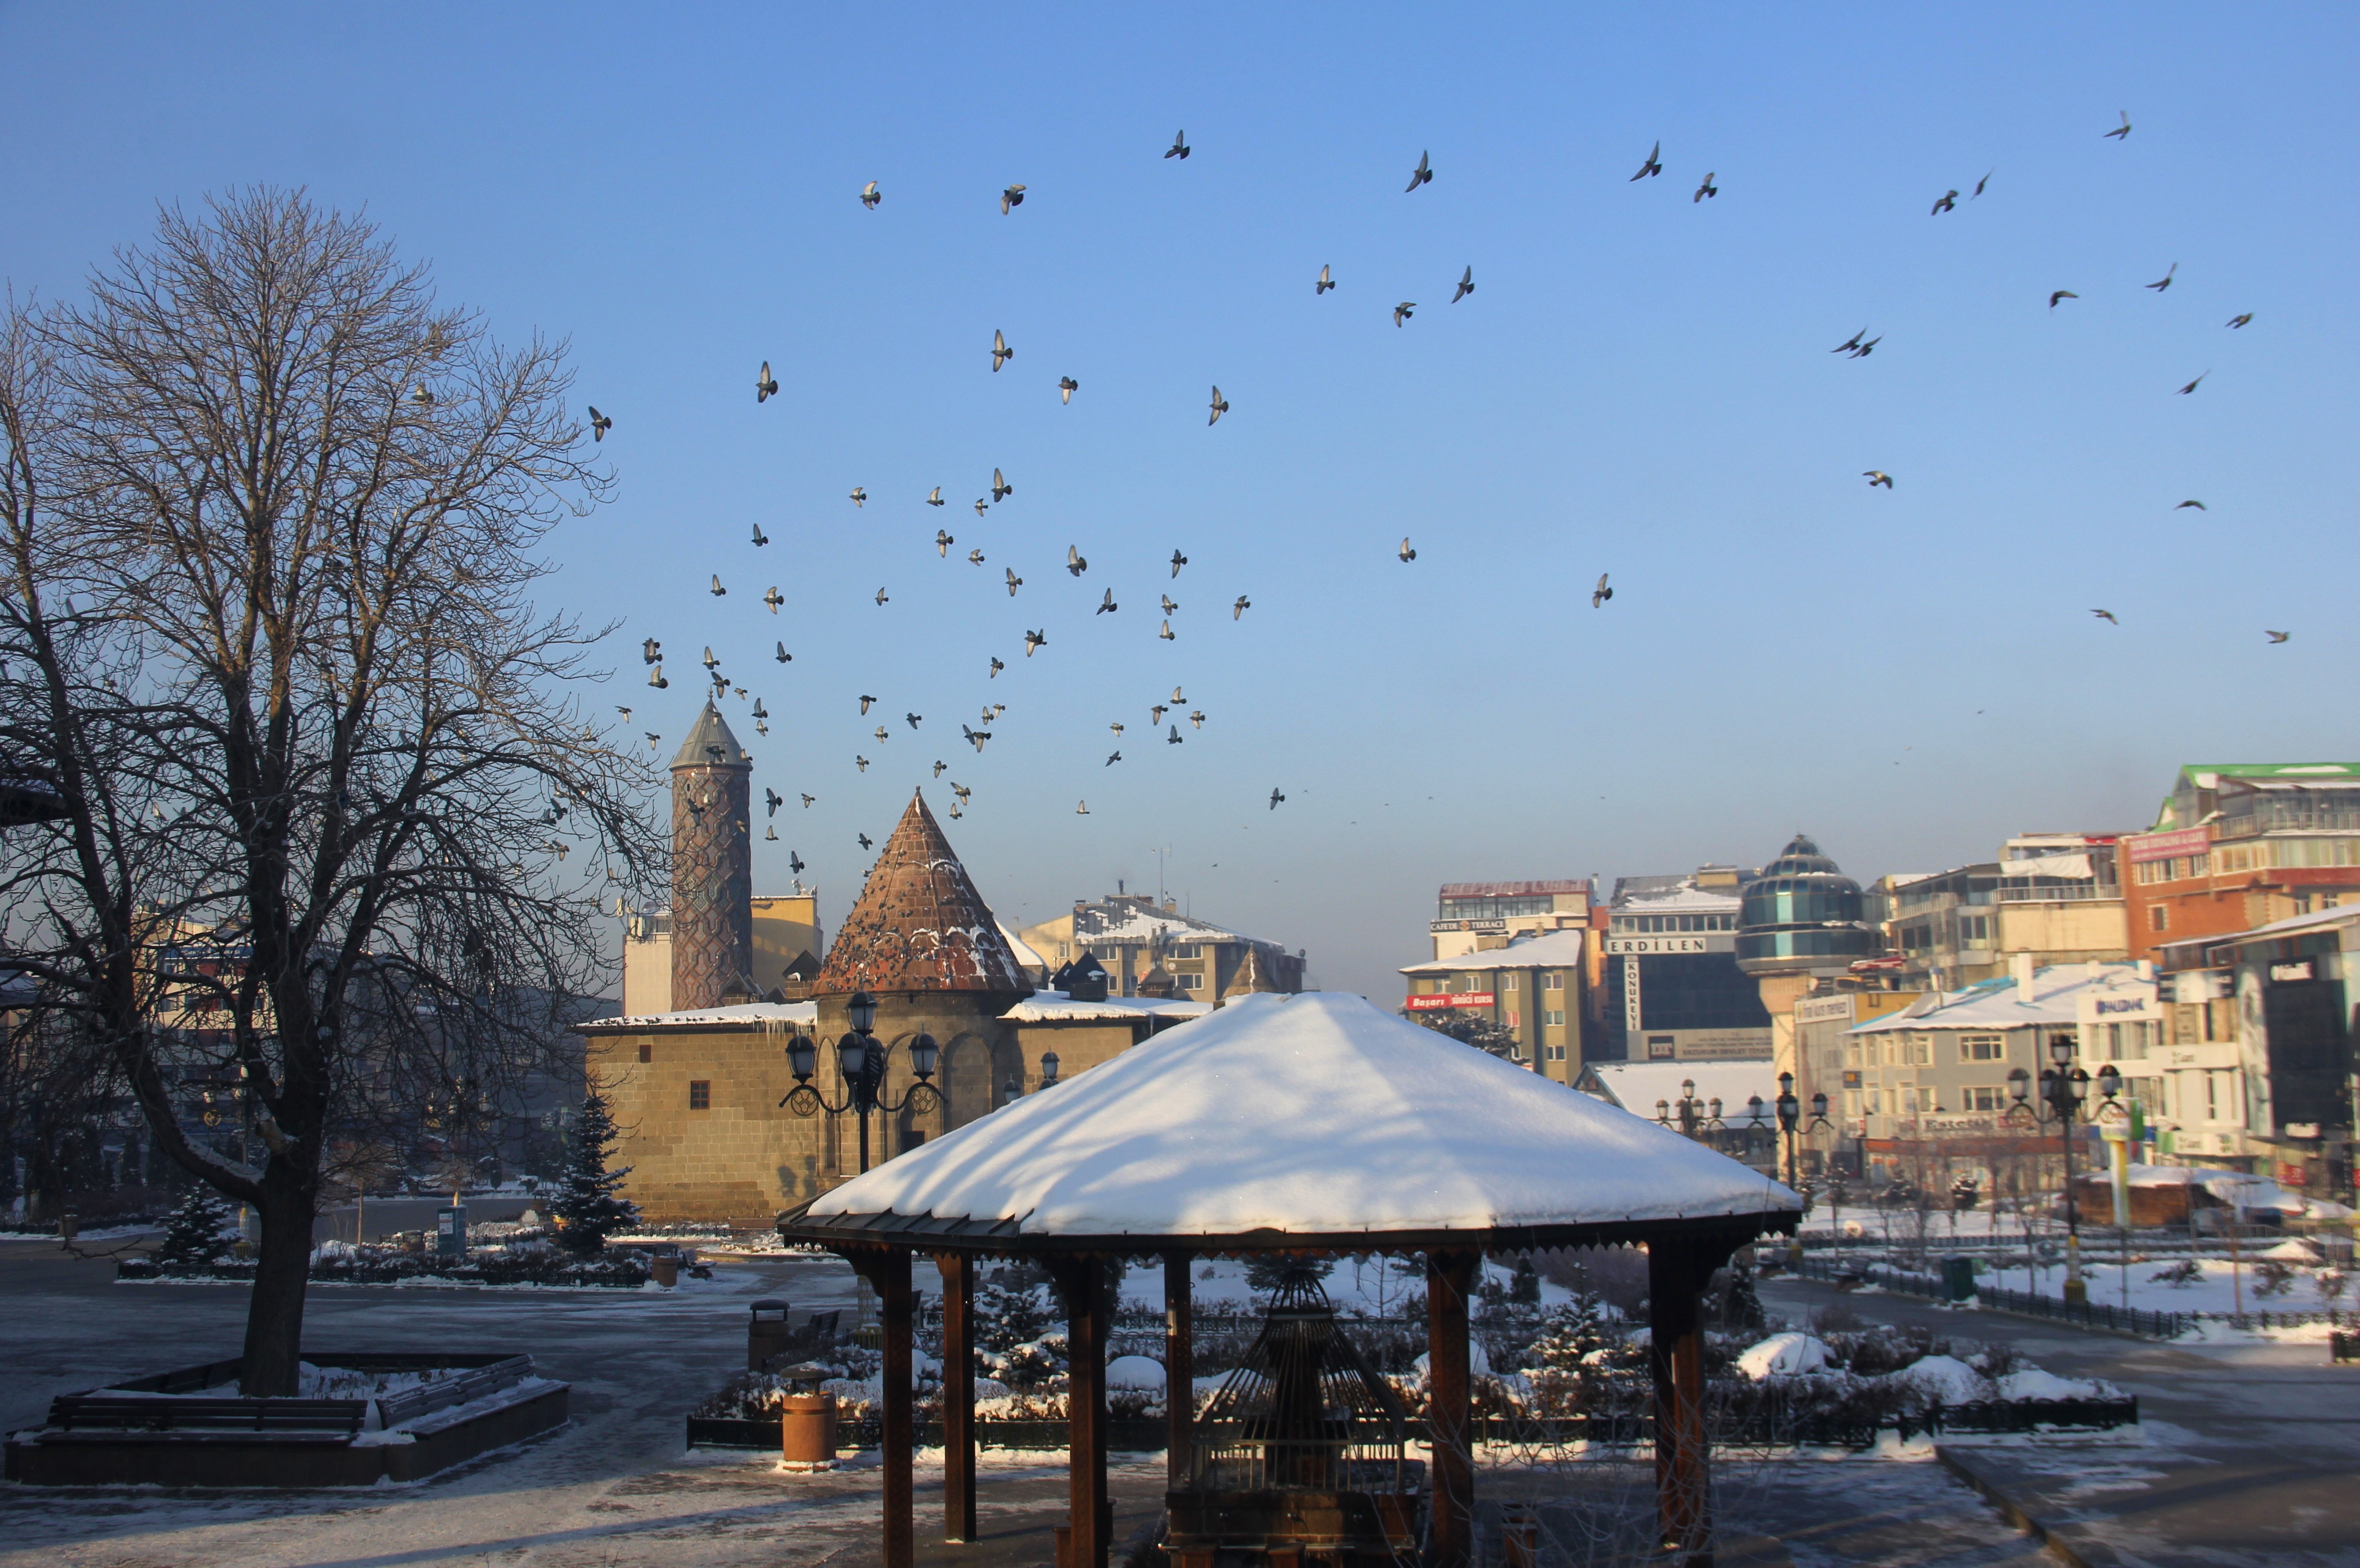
272 520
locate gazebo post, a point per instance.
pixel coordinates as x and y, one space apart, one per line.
959 1395
1677 1272
1179 1371
1449 1276
888 1274
1083 1280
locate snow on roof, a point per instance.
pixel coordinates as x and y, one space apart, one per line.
1546 950
2292 925
1310 1114
1142 919
1057 1007
758 1015
1686 896
2057 991
1513 889
1636 1086
1024 952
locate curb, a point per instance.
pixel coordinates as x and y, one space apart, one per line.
2013 1511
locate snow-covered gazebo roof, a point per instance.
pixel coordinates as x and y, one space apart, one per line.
1313 1121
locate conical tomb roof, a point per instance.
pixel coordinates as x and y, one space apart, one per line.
918 923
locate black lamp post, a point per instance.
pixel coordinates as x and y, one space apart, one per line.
2063 1087
862 1058
1791 1118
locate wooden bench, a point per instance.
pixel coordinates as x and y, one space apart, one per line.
311 1418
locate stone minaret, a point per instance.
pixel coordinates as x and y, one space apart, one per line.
711 865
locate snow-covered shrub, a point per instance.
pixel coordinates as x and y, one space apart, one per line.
199 1233
1568 1334
2178 1275
2272 1277
1784 1356
2331 1285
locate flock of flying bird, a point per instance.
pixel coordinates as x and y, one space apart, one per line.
1859 345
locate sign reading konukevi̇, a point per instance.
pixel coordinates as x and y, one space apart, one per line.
1452 998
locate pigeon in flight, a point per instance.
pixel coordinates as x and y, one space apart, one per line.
1034 639
1168 605
1176 697
883 734
961 790
1655 164
761 538
1106 605
1877 476
936 498
1178 561
2119 132
2240 320
1402 312
939 766
2193 385
1220 407
870 195
2108 616
2200 506
423 397
1179 148
942 543
2160 284
1707 188
718 589
1196 718
2061 295
807 801
1946 202
975 738
865 843
1238 610
1011 198
1076 562
1408 554
1082 808
1466 285
1327 281
913 718
626 713
1275 798
757 705
860 495
882 600
1001 488
1164 633
657 680
1866 349
1850 344
1155 715
654 740
766 386
774 598
979 504
782 656
1000 353
1981 183
955 811
864 701
772 799
650 652
794 863
1117 727
1014 582
1067 388
1422 174
975 558
1602 593
599 424
1174 738
862 763
709 660
996 667
1112 758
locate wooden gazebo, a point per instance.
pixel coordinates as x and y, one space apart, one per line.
1313 1124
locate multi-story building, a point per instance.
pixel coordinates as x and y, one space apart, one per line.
1801 922
1472 916
1132 934
787 945
2053 895
1673 990
1532 987
2242 845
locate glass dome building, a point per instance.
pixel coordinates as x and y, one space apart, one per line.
1800 914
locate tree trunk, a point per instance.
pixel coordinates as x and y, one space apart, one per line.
273 1316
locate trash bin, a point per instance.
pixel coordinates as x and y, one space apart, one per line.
806 1421
665 1268
1957 1277
767 1333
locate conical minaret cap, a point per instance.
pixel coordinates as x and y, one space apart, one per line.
918 923
711 729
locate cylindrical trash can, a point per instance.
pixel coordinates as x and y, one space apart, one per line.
807 1432
666 1269
767 1333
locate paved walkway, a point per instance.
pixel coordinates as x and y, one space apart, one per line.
2249 1453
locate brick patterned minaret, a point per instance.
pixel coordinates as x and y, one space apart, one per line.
711 865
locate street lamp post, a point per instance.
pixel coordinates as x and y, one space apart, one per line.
1790 1123
861 1059
2063 1087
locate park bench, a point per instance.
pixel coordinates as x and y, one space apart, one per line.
301 1420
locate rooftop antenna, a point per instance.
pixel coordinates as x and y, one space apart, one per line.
1159 855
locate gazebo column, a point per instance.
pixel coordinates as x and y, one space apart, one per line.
959 1395
1677 1272
1179 1371
1084 1282
1449 1277
888 1274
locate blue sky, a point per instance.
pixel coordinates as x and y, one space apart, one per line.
1641 384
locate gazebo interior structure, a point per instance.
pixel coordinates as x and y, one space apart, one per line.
1315 1125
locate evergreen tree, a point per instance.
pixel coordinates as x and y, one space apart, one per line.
193 1235
587 1207
1568 1334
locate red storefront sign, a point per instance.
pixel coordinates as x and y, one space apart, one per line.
1454 999
2164 845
